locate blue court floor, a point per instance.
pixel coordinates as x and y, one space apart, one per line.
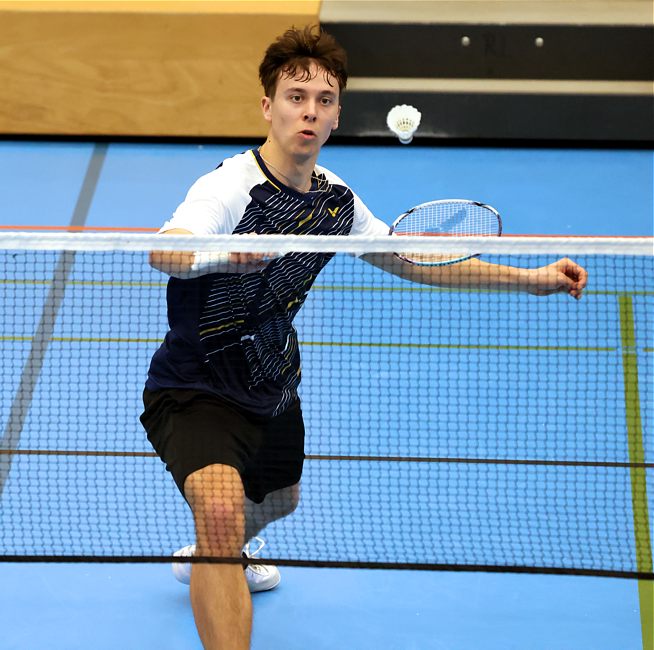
101 606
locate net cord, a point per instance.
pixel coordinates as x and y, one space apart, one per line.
358 245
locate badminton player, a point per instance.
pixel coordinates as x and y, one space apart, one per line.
221 402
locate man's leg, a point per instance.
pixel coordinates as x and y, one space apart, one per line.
276 505
259 577
219 594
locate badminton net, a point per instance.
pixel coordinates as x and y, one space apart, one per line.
446 428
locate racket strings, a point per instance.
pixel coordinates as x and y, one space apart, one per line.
453 218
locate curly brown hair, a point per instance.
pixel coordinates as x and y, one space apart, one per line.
292 54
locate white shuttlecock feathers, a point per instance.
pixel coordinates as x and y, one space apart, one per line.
403 121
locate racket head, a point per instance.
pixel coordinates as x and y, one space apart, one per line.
446 217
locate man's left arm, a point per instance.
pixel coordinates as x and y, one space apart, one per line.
562 276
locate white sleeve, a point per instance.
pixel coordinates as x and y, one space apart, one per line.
213 206
365 222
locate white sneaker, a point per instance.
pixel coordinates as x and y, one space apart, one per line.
260 577
183 571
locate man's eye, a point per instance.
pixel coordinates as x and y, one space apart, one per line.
326 101
296 98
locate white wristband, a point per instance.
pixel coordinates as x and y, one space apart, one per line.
205 263
216 262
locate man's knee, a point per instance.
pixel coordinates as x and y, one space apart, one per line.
215 495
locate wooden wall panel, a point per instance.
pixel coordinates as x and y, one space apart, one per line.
138 68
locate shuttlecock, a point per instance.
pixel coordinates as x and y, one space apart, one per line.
403 121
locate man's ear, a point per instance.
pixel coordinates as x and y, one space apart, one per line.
337 116
266 106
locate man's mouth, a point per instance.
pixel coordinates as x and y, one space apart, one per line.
308 133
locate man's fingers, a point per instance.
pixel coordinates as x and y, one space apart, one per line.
565 283
563 276
572 278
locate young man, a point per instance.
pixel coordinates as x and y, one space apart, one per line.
221 403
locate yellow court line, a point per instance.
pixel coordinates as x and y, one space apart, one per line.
80 339
458 346
88 283
319 287
354 287
343 344
636 447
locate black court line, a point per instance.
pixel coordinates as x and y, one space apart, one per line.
328 564
374 459
43 335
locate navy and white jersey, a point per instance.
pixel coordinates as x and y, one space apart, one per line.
232 334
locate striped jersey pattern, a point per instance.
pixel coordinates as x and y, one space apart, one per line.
243 332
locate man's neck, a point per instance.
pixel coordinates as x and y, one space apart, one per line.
293 172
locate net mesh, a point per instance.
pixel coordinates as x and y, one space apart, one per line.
445 427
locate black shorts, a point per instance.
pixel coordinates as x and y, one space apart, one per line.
190 430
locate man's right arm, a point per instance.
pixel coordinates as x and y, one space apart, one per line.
187 264
175 263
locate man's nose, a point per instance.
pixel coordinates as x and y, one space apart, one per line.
310 112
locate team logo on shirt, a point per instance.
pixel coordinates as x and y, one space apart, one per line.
333 211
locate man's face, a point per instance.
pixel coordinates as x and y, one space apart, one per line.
303 112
